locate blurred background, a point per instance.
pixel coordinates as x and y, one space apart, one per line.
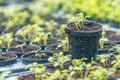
15 14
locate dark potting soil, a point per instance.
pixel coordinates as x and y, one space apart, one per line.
87 26
114 38
110 33
4 57
25 49
51 68
26 77
54 48
33 57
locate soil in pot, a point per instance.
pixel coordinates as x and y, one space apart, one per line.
50 67
28 48
26 77
4 57
115 39
19 50
15 43
54 48
7 59
110 33
87 26
37 56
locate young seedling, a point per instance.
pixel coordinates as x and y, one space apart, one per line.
63 44
77 62
116 62
103 39
39 55
82 71
29 32
57 75
102 61
100 73
41 38
78 20
38 69
21 47
6 40
59 59
116 48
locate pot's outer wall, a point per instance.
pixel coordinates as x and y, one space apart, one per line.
83 44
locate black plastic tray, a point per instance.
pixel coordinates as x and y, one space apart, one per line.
19 68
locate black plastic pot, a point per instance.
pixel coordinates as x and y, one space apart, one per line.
28 61
8 62
83 44
55 51
20 53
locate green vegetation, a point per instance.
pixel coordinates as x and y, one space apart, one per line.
6 40
78 70
78 20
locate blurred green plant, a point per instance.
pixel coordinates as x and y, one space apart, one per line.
6 40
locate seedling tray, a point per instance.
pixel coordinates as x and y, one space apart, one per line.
17 69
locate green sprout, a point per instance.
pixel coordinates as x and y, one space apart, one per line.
63 44
100 73
77 62
102 61
41 38
116 62
38 69
78 20
57 75
58 59
29 32
21 47
103 39
6 40
39 55
116 48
